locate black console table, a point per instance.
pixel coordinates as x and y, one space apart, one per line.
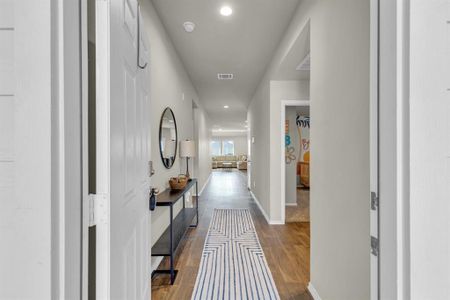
168 242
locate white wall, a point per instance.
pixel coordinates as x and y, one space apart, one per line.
429 149
202 134
240 143
258 120
340 175
169 81
339 98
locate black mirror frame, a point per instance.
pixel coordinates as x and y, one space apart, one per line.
176 137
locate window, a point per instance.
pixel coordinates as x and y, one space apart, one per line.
216 148
222 148
228 148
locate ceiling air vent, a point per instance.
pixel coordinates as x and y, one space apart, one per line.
224 76
305 65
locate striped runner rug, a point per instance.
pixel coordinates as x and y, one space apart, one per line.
233 265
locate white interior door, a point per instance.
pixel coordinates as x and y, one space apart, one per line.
123 153
374 165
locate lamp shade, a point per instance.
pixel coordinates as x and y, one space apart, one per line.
187 148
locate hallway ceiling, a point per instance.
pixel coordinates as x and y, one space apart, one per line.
297 54
241 44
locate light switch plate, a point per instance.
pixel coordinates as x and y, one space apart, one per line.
151 171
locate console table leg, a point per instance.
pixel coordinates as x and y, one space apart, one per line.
172 272
197 199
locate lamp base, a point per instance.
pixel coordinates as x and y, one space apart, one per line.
187 169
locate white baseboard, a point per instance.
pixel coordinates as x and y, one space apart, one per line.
290 204
276 222
313 292
206 183
155 262
260 207
269 221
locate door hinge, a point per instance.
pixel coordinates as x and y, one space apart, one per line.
374 201
98 211
374 245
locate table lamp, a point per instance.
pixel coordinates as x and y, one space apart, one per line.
187 150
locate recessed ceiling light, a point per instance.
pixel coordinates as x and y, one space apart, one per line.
220 129
226 11
225 106
189 26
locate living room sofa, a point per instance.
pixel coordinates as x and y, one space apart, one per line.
228 161
242 165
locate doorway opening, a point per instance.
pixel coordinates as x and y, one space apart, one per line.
296 163
293 155
228 150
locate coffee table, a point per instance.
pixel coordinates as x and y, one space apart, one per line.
227 165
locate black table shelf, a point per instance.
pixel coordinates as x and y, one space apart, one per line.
168 242
180 224
170 197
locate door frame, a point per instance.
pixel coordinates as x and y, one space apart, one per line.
374 214
393 102
283 106
84 148
102 123
103 237
69 187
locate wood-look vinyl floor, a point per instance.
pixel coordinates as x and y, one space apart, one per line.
286 247
299 213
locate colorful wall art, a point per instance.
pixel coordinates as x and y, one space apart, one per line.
303 125
290 150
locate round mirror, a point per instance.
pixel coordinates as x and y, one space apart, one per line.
168 139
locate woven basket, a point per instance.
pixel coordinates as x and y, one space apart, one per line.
178 183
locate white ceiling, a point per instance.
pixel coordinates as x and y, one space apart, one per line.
242 44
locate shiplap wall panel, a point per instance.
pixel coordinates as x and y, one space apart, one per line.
6 14
6 62
6 128
7 83
6 196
